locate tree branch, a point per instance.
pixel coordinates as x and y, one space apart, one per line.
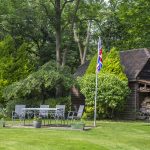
64 4
76 38
87 41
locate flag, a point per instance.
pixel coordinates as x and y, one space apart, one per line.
99 59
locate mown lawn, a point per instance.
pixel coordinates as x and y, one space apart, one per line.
108 135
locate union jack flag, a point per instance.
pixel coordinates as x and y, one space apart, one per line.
99 59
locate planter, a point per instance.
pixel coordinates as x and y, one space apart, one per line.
79 126
37 124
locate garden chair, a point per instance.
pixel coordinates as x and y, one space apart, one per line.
44 113
60 113
76 115
18 113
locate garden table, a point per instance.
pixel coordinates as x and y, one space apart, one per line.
32 112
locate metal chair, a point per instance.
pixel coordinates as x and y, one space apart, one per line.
60 112
44 113
18 113
76 115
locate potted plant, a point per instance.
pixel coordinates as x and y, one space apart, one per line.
78 125
2 117
37 122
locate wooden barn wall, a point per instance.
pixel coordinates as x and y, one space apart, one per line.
77 98
132 103
145 73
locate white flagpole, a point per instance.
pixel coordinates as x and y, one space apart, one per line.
95 101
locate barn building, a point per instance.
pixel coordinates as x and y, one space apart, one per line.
136 65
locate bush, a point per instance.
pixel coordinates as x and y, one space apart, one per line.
92 66
10 106
60 101
111 94
112 65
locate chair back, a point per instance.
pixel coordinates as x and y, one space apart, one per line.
60 112
80 111
44 113
18 109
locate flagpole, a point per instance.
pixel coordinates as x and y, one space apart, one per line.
96 81
98 68
95 100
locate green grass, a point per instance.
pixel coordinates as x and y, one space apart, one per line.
108 135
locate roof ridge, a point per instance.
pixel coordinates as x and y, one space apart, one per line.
131 50
147 52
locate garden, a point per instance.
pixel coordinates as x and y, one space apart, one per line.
108 135
48 61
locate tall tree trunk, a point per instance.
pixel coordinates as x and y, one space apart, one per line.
61 60
58 32
86 42
58 42
82 49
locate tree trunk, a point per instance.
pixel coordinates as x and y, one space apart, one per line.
86 42
58 32
82 50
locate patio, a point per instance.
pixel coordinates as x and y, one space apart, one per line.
46 115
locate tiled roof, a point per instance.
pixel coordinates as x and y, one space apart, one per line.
134 61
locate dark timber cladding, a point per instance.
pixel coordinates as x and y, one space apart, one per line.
77 98
136 65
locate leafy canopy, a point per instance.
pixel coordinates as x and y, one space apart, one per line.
47 77
15 62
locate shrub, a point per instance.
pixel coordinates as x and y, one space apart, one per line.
111 94
112 65
92 66
10 106
112 86
60 101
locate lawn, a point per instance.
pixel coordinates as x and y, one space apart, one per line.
109 135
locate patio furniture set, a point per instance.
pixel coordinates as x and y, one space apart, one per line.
44 112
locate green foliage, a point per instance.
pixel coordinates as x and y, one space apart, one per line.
38 119
15 62
47 77
92 66
112 65
112 86
111 94
60 101
134 15
3 112
35 102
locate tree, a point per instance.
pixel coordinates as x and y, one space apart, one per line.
111 96
84 26
15 61
39 83
135 17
